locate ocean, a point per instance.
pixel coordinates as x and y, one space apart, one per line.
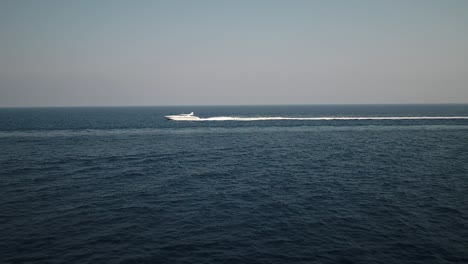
246 184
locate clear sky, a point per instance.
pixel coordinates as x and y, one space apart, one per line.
215 52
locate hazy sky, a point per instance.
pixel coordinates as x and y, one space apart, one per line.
98 52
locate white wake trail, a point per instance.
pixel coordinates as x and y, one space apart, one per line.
327 118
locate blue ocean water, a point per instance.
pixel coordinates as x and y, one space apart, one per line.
124 185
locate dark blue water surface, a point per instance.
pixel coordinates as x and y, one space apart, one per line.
123 185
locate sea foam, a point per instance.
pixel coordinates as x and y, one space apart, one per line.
326 118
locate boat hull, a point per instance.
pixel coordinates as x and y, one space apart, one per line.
182 118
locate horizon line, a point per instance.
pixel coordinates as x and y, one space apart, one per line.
224 105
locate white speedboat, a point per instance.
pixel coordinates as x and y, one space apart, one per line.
182 117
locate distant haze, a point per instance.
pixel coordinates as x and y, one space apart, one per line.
92 53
